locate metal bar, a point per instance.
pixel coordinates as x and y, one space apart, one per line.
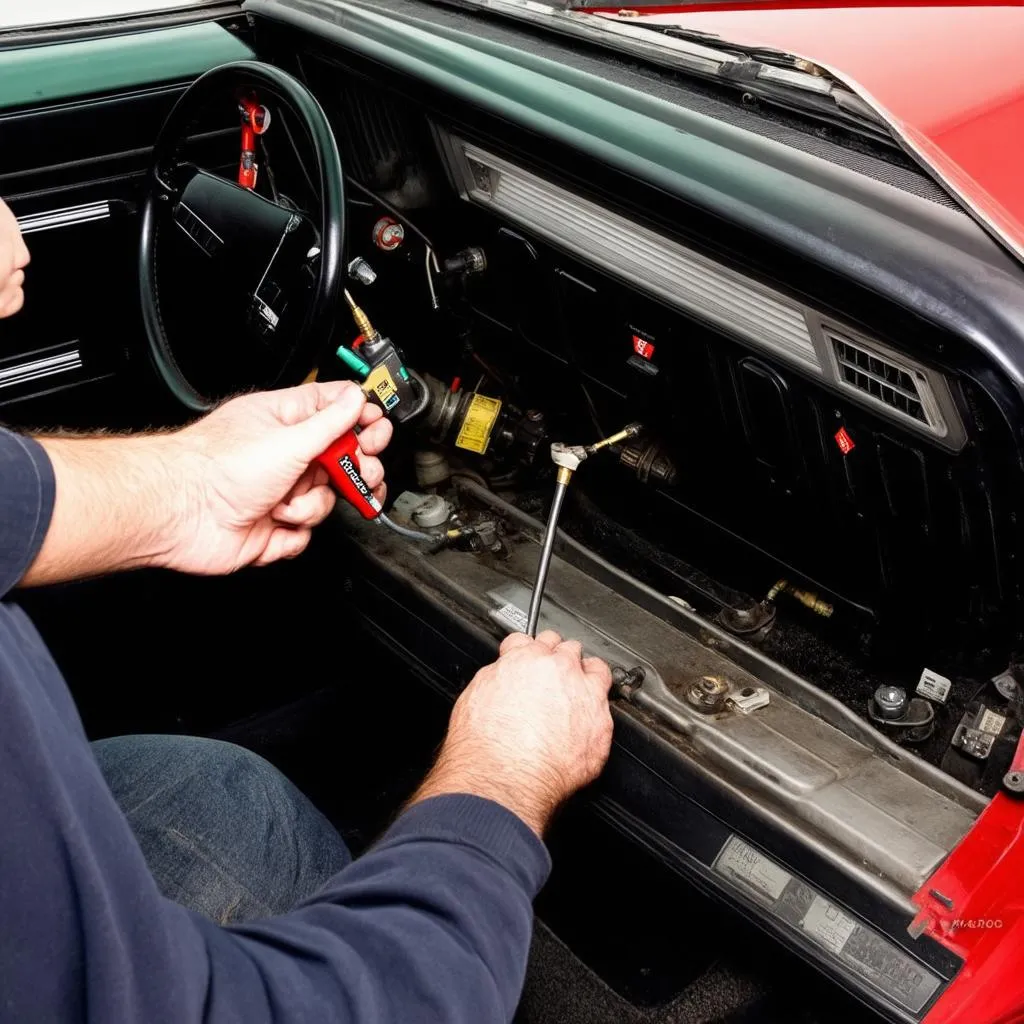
545 558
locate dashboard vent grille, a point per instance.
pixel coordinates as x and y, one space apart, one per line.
879 378
885 379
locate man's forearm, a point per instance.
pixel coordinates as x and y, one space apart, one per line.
117 499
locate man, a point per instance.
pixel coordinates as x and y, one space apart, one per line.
433 924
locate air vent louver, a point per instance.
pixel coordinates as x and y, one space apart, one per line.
904 388
895 386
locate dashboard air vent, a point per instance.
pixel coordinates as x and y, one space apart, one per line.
895 386
907 391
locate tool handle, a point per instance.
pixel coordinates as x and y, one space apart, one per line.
342 467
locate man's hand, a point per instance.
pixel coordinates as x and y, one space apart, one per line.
529 730
13 260
239 487
252 490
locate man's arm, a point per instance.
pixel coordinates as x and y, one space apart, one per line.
233 489
434 923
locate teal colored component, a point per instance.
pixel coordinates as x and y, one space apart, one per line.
403 373
353 362
43 74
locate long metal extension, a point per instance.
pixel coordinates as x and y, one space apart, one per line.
564 476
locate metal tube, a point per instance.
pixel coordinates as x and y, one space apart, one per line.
545 554
406 531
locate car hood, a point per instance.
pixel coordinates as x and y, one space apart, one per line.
947 78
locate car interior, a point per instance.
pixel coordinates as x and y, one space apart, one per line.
817 512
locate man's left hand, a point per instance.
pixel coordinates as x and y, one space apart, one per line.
251 490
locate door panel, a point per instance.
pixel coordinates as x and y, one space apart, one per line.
72 168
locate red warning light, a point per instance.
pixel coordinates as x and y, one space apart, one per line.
642 347
844 441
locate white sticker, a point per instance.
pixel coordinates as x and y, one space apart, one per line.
743 863
933 686
992 722
828 924
267 313
512 616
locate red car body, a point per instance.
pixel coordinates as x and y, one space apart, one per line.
948 78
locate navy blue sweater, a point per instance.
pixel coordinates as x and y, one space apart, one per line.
433 924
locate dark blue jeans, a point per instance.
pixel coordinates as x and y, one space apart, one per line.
222 830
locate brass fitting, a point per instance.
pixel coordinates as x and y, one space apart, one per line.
631 430
808 598
366 329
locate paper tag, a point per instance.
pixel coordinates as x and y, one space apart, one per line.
933 686
992 722
480 418
742 862
512 616
828 924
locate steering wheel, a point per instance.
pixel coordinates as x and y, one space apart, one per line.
264 270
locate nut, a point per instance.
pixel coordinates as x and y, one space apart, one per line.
708 694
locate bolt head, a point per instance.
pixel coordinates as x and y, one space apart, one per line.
891 701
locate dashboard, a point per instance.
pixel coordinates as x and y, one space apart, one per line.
826 357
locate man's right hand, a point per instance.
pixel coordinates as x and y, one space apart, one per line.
529 730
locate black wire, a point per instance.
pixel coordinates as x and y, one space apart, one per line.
268 167
397 214
313 190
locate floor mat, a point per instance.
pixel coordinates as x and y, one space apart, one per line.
561 989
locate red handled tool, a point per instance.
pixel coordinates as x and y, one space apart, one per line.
341 463
255 121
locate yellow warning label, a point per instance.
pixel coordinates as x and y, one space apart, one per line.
381 385
481 416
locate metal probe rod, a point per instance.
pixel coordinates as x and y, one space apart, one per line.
561 486
567 458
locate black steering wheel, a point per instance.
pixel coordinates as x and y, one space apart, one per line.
265 270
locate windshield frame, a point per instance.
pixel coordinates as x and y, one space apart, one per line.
47 16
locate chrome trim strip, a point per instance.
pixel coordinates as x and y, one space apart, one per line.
632 252
64 217
23 373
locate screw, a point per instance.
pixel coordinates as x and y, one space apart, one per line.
1014 781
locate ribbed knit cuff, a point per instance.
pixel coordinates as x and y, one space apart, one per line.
483 824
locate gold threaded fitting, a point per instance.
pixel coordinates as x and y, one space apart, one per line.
366 329
629 431
811 600
807 598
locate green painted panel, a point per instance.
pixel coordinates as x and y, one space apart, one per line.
44 74
670 147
